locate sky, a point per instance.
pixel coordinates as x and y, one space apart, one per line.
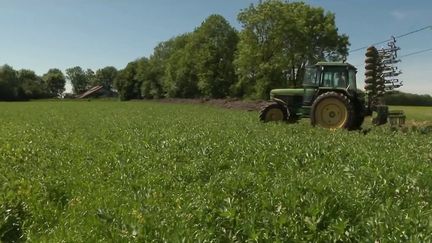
44 34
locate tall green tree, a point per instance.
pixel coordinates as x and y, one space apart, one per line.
180 77
55 82
212 48
10 87
91 76
153 81
78 78
147 76
126 82
152 78
105 77
191 65
33 86
278 40
201 63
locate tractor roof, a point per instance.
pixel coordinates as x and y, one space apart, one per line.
335 64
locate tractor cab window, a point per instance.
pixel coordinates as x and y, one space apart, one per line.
352 79
310 77
334 79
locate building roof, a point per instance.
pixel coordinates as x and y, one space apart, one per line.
334 64
90 91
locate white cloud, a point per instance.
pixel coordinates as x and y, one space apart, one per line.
399 15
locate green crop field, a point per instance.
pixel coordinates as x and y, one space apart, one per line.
142 171
416 113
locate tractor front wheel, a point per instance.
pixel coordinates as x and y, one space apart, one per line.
333 110
273 112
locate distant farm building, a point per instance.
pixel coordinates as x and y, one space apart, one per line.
97 92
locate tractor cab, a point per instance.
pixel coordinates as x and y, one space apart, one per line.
330 75
325 76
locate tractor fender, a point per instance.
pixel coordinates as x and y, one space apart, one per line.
280 102
340 91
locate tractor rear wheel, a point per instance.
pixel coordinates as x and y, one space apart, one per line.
333 110
273 112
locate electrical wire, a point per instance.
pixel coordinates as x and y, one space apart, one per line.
417 52
406 55
397 37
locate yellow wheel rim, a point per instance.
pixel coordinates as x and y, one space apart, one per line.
331 113
274 114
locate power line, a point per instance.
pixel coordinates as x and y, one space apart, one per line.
397 37
406 55
417 52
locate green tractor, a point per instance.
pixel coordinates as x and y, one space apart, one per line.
329 97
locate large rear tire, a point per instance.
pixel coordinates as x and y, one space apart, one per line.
274 113
333 110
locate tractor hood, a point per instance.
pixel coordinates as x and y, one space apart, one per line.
286 92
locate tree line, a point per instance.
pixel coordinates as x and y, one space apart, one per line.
401 98
25 84
277 40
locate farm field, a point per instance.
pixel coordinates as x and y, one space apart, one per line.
142 171
416 113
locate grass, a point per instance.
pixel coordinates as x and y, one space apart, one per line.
142 171
416 113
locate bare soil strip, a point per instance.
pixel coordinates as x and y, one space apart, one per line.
248 105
